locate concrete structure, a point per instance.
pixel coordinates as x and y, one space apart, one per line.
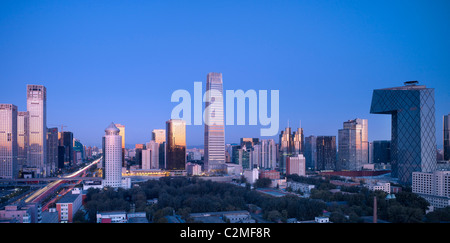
251 175
446 137
434 187
380 186
296 165
193 169
68 205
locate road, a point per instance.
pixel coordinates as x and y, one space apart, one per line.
51 187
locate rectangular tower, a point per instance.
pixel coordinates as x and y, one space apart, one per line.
8 141
37 132
175 144
214 150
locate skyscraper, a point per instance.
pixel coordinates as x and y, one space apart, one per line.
326 152
66 141
52 149
413 141
310 152
37 132
214 147
8 141
353 145
22 138
112 145
446 128
175 144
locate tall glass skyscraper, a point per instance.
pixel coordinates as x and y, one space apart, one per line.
447 137
353 145
413 132
310 152
286 148
214 147
22 138
175 144
8 141
37 132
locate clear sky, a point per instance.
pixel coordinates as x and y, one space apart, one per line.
120 61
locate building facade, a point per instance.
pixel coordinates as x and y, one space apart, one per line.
446 128
433 186
353 145
37 132
112 145
8 141
175 144
413 133
310 152
296 165
214 155
326 152
22 138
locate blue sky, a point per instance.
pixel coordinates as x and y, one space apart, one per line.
120 61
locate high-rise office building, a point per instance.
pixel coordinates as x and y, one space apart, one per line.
175 144
122 134
66 141
22 138
310 152
446 128
159 135
37 132
326 152
112 145
268 154
214 147
413 132
52 149
153 161
353 145
8 141
138 154
381 151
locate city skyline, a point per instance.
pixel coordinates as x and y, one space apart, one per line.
280 49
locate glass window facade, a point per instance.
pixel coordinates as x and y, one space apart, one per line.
413 141
214 147
175 144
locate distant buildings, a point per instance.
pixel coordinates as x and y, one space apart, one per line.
413 141
214 158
